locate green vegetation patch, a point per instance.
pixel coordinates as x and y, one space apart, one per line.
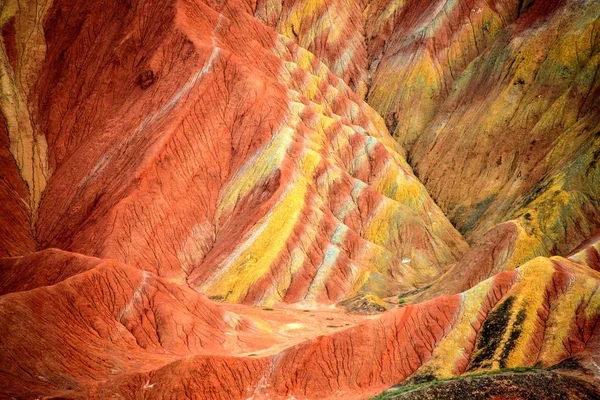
513 337
491 334
426 381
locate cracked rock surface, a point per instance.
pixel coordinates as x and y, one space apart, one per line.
299 199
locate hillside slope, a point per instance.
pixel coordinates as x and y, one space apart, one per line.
113 330
496 101
193 142
216 199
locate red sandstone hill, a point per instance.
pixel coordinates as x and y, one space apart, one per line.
212 199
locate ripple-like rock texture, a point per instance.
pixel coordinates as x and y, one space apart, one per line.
496 101
215 200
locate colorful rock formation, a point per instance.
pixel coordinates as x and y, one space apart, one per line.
128 332
244 167
204 199
496 101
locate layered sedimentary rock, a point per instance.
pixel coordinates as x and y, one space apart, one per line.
540 125
527 138
188 187
117 330
497 102
403 56
193 142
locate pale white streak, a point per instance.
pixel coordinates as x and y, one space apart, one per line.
339 234
148 385
350 204
596 366
262 163
343 61
298 257
432 17
213 38
137 294
97 169
192 251
352 113
331 256
362 155
231 319
154 117
332 253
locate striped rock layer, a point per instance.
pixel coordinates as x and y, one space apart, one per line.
496 101
188 187
195 143
105 329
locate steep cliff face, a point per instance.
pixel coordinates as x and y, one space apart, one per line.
188 187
